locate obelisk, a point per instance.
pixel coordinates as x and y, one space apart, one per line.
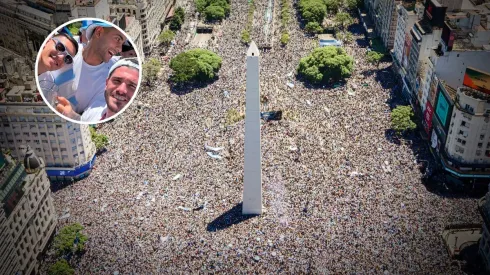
252 189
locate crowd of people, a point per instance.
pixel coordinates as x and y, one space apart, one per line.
339 197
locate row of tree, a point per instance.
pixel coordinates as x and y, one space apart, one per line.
69 243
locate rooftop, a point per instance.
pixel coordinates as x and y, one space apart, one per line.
35 12
474 93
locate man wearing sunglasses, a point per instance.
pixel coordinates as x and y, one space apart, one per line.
57 52
85 81
121 84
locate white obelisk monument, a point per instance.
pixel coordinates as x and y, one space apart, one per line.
252 189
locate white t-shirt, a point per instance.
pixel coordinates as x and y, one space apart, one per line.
82 83
95 111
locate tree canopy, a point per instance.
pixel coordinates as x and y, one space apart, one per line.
313 27
401 119
284 38
346 37
166 37
246 37
100 141
343 19
196 64
177 20
374 57
325 64
70 240
213 9
151 68
213 13
61 267
312 10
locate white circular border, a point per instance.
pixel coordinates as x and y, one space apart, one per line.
79 121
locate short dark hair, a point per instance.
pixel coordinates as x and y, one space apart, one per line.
69 37
127 47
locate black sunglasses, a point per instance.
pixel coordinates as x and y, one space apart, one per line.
60 47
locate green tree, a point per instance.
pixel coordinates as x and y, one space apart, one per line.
61 267
70 240
313 27
374 57
179 12
333 6
100 141
221 3
201 5
353 4
401 119
325 64
214 13
175 23
166 37
343 19
151 68
312 10
246 37
284 38
74 27
346 37
196 64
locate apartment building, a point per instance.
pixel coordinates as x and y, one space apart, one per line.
470 122
151 15
27 216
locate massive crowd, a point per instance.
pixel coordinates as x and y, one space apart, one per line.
339 196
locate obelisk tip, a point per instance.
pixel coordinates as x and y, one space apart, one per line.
253 50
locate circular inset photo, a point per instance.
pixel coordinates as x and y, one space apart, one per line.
88 71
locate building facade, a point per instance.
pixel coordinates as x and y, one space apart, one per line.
27 216
23 28
408 14
151 15
468 140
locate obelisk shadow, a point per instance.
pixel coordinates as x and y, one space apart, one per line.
229 218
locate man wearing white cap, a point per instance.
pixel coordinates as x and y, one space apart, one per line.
121 84
85 81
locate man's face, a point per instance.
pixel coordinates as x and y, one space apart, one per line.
109 42
52 58
120 88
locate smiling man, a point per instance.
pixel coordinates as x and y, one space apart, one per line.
121 84
85 81
58 51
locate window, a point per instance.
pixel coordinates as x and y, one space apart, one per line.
463 123
459 149
480 145
482 137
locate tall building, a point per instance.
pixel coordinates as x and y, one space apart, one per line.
470 122
388 20
408 14
150 14
66 147
27 215
23 28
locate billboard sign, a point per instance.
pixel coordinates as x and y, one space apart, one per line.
429 112
442 108
477 80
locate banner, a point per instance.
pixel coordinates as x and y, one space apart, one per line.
477 80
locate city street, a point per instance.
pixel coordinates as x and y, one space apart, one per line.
340 196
